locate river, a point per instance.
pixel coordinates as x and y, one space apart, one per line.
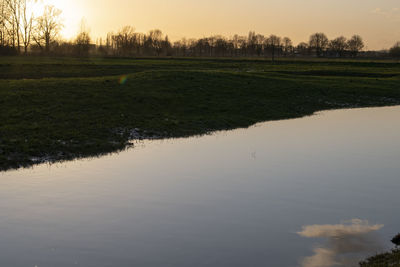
235 198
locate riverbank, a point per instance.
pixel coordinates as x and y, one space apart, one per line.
60 109
391 258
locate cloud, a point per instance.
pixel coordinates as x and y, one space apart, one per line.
346 242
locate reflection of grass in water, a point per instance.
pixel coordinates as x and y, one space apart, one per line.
80 109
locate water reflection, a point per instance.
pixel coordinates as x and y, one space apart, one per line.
232 199
346 243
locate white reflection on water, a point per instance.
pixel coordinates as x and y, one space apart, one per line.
346 243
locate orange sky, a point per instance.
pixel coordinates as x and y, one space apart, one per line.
377 21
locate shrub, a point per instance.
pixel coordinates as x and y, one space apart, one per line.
396 240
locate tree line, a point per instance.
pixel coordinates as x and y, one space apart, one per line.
127 42
22 33
20 29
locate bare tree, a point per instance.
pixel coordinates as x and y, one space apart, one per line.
302 48
319 42
287 45
273 42
338 45
16 23
126 41
26 24
355 45
236 43
155 40
259 45
395 50
252 42
83 40
47 27
3 20
14 18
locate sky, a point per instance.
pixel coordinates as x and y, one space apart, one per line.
377 21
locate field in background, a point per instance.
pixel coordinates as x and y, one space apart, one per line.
63 108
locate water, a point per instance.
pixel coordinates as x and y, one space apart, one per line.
235 198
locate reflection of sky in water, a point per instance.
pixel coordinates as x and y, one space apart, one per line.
347 243
232 199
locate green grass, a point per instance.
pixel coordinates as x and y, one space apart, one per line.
389 259
63 108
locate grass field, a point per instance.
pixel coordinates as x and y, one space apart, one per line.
389 259
55 109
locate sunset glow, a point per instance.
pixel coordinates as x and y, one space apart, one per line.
72 14
376 21
214 133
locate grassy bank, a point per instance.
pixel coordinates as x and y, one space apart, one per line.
389 259
55 109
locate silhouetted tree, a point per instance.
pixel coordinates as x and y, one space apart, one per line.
16 22
319 43
251 43
236 44
125 42
154 41
18 27
14 19
47 27
242 45
273 42
181 47
338 45
166 46
259 44
355 45
221 46
287 46
302 48
3 22
395 50
82 41
27 23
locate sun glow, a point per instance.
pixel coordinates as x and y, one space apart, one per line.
375 21
37 9
71 15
